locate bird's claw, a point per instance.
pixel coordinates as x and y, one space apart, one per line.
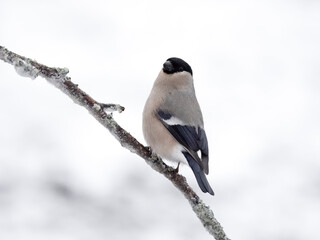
176 170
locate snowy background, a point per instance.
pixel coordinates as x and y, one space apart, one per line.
256 66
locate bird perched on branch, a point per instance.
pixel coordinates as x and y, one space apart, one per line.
173 123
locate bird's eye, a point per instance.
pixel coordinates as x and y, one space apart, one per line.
180 69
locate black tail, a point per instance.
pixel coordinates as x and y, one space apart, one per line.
199 173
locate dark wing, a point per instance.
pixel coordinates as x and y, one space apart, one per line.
192 138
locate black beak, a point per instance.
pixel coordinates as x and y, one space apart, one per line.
167 67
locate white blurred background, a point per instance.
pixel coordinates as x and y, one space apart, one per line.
256 70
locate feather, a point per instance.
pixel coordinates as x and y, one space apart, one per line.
199 174
192 138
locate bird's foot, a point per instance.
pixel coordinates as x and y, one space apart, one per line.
177 169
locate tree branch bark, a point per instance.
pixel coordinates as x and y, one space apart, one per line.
58 77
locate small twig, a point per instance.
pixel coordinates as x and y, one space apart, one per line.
112 107
58 77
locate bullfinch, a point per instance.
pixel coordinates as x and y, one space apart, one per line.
172 120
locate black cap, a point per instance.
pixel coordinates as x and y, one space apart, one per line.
173 65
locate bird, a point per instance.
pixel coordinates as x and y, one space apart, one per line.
172 121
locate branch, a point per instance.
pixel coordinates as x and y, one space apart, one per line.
58 77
